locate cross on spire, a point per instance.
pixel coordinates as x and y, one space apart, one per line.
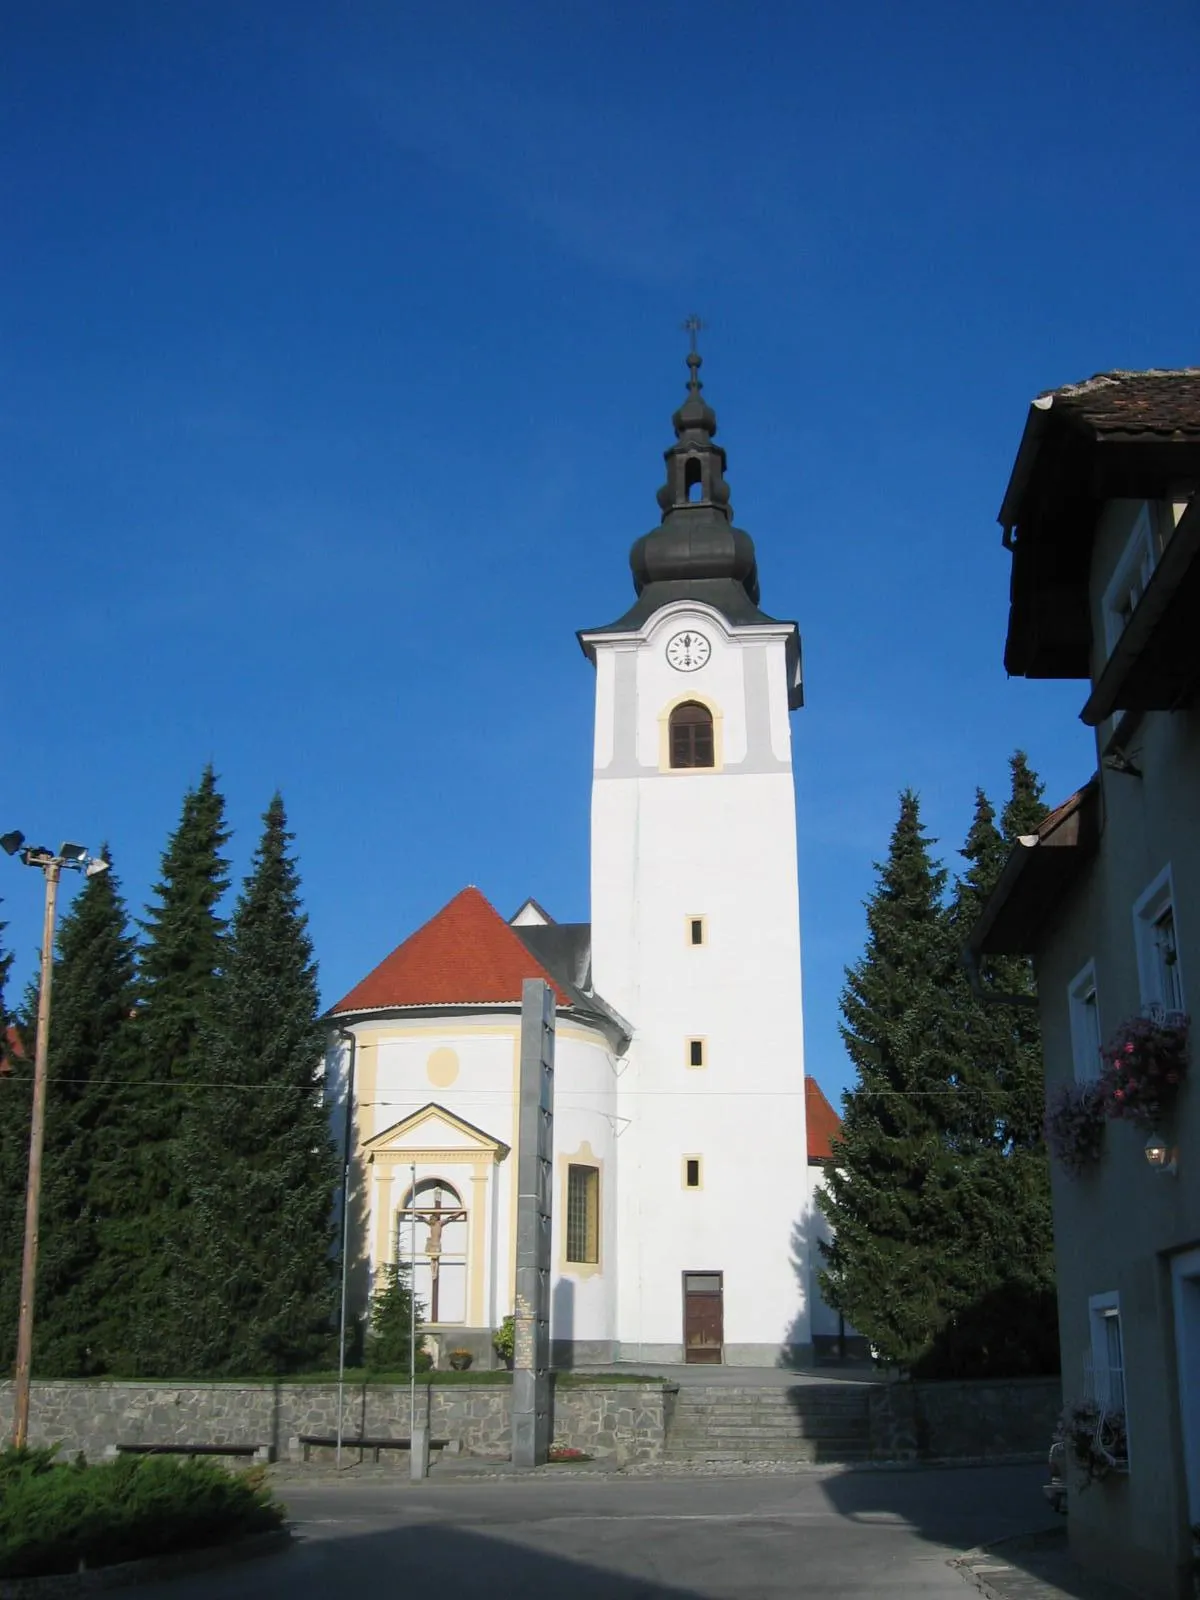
692 326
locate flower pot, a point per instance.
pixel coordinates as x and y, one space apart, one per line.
460 1360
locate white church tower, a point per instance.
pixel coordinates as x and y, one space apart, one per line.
695 932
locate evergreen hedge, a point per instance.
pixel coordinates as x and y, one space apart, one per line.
56 1516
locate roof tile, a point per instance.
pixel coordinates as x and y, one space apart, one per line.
823 1122
1159 401
465 955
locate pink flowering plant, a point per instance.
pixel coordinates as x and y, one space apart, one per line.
1074 1126
1144 1067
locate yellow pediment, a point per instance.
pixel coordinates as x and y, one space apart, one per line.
433 1131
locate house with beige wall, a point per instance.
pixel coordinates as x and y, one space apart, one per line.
1103 523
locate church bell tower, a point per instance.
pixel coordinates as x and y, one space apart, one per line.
695 930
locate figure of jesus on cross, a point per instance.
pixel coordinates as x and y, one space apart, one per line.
435 1217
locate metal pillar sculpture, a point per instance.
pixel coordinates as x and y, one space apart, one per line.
531 1421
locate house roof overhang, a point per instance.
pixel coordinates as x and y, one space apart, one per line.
1039 872
1118 436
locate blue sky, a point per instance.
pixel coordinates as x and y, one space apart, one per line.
338 352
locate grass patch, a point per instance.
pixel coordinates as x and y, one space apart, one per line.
56 1516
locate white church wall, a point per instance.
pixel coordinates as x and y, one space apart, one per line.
583 1295
719 844
469 1065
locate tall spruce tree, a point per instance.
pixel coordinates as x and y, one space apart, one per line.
1008 1324
255 1287
1022 815
942 1250
89 1058
894 1190
179 967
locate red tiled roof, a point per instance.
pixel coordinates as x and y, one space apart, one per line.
823 1121
465 955
1158 401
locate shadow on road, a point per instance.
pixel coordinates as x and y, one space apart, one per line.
423 1559
1000 1507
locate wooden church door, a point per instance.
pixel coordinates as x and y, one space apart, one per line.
703 1317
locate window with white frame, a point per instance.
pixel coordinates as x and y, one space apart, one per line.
1128 582
1085 1024
1107 1351
1156 934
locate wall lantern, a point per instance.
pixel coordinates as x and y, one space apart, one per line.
1160 1156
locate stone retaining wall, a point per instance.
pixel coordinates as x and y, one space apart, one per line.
611 1422
618 1423
969 1420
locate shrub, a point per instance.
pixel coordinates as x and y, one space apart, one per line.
57 1517
504 1340
389 1336
1074 1126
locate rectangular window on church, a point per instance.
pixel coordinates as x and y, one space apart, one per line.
691 1172
697 933
695 1053
583 1214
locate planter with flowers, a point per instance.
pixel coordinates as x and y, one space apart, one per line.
1144 1068
567 1454
1075 1126
1094 1438
460 1360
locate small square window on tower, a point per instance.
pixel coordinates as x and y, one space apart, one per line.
697 1054
693 1174
696 930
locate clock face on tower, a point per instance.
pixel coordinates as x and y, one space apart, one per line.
687 651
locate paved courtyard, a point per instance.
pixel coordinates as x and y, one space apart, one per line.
821 1533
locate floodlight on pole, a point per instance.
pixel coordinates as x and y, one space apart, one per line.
76 858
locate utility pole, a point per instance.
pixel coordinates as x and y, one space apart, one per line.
77 858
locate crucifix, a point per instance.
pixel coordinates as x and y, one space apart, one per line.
435 1219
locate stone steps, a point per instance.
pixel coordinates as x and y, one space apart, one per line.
815 1423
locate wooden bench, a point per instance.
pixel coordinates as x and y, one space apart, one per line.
304 1442
256 1452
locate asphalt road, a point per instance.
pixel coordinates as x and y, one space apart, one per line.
827 1533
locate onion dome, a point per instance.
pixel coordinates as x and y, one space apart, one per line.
697 539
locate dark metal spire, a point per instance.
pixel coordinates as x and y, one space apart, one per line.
695 465
696 554
697 540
